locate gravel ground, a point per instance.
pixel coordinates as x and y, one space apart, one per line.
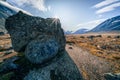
92 67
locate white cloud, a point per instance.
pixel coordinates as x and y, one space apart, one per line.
14 8
108 8
100 16
38 4
49 8
104 3
89 25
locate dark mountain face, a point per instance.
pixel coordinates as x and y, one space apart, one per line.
112 24
4 13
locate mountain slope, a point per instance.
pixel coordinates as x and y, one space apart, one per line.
109 25
80 31
7 10
67 32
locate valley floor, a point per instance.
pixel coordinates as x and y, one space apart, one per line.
91 66
93 56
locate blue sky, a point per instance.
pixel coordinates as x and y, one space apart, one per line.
73 14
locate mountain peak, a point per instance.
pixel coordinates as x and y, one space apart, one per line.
112 24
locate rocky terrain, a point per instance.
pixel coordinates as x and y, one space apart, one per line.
97 55
40 51
93 65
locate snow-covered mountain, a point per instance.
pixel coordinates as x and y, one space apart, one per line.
109 25
67 32
79 31
7 10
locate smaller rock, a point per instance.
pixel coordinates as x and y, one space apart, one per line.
82 37
8 52
1 33
111 76
40 51
117 36
91 37
103 47
109 37
98 36
70 48
8 65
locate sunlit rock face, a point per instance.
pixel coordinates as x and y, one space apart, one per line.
40 39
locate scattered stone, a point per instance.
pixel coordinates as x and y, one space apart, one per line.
1 33
103 47
111 76
117 36
117 46
70 48
82 37
98 36
8 65
91 37
98 46
109 37
8 52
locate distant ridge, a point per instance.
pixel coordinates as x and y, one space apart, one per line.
110 25
79 31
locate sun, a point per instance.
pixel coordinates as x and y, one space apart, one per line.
56 16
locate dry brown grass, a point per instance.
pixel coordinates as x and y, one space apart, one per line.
107 46
5 43
5 39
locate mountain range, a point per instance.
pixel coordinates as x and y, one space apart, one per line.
6 10
109 25
79 31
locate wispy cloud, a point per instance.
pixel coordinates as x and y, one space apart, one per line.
104 3
89 25
38 4
16 9
108 8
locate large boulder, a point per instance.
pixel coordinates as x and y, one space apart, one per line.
37 37
60 68
43 43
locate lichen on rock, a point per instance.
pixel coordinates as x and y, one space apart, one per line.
42 43
34 32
